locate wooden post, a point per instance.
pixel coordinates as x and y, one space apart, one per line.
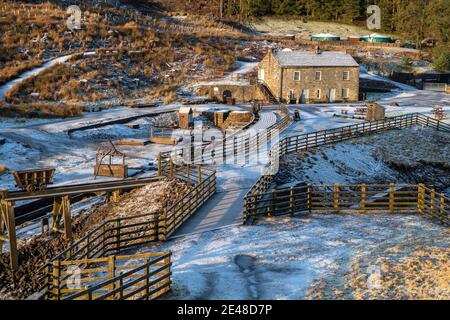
255 212
65 203
147 280
420 197
336 197
115 196
432 196
112 270
271 208
56 279
8 224
442 208
291 202
309 198
188 168
172 170
363 198
118 236
163 224
200 174
391 197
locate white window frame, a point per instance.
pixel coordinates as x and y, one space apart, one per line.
318 94
299 75
320 75
346 73
347 91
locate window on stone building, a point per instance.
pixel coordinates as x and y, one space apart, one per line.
297 75
318 94
318 75
346 75
345 93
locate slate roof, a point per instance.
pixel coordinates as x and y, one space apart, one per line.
313 59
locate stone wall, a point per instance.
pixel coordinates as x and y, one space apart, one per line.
331 78
272 73
281 80
242 93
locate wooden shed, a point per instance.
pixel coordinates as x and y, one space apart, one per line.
185 117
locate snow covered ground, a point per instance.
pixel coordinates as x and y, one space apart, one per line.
413 155
284 258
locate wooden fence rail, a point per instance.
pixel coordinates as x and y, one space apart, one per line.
139 276
116 235
362 198
238 147
316 139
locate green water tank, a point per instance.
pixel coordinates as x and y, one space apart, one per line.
325 37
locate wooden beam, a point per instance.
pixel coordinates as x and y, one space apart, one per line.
8 225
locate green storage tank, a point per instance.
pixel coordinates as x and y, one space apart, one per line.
377 38
325 37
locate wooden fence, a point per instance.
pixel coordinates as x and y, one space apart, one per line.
133 277
361 198
316 139
204 188
237 147
116 235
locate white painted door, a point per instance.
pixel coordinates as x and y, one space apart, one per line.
332 95
305 95
261 75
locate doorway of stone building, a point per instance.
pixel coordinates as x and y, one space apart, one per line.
226 96
304 96
332 95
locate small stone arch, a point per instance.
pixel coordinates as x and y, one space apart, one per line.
226 94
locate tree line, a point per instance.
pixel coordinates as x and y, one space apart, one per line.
413 19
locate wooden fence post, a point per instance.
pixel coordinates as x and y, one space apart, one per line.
291 202
442 208
172 169
159 164
420 197
363 198
56 279
112 270
336 197
391 197
200 174
255 212
309 198
8 224
432 197
118 236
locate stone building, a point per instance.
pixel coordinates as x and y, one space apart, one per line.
309 77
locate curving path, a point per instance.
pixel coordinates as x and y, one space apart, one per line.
224 208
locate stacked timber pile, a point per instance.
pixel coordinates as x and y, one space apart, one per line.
34 252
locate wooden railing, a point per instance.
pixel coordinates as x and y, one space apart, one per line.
116 235
204 187
233 148
133 277
361 198
316 139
